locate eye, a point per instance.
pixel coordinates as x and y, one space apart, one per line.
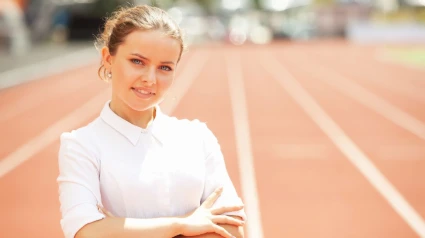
166 68
137 61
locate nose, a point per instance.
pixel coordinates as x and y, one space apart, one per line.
150 76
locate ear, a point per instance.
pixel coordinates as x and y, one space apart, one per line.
106 57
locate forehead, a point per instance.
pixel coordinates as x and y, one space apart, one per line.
154 45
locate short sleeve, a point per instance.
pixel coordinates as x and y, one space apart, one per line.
217 175
78 183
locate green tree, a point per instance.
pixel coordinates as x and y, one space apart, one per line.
257 4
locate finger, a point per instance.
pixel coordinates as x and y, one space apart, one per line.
223 232
221 210
212 198
223 219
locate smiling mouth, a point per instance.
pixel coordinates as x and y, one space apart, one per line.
144 92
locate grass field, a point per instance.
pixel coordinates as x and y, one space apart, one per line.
413 56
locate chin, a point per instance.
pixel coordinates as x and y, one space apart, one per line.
140 105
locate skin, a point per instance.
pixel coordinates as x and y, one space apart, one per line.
147 60
233 230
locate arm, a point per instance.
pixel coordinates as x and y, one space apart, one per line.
129 227
159 227
80 197
217 176
237 232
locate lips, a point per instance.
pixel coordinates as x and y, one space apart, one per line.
144 91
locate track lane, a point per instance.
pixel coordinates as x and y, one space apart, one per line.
396 152
388 83
307 188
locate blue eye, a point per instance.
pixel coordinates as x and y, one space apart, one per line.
136 61
166 68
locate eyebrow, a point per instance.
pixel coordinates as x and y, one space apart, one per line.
143 57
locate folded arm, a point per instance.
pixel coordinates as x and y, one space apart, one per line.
112 227
236 231
79 193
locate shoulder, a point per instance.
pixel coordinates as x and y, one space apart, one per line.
81 134
194 128
80 140
193 133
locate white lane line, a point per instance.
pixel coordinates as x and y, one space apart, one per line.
343 142
404 88
368 99
22 105
51 134
48 67
85 112
243 143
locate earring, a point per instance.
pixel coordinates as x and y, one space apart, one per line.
109 75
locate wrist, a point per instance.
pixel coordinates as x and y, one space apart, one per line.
179 225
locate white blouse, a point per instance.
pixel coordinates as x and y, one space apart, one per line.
168 169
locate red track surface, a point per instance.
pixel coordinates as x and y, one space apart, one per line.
306 186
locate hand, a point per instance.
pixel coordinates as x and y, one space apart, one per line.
205 219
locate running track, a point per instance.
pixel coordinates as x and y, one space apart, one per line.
321 139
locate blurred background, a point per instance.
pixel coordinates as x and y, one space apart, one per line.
26 25
363 61
42 29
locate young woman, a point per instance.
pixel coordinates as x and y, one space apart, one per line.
134 171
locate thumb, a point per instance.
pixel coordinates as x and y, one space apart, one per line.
212 198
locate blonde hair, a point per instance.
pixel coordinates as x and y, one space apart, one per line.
128 19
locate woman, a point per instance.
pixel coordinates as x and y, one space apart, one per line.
150 174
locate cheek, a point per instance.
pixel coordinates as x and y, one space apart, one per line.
125 69
125 74
165 82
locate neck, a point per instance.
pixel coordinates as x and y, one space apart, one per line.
138 118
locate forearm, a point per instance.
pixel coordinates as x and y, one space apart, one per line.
237 232
112 227
209 235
